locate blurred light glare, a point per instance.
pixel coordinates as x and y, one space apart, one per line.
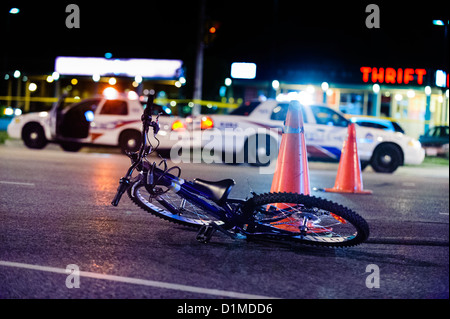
275 84
96 77
243 70
8 111
17 112
376 88
112 81
410 94
138 79
438 22
398 97
110 93
147 68
325 86
74 81
55 76
17 74
32 87
133 96
228 81
441 78
50 79
428 90
178 84
303 97
14 10
89 115
310 89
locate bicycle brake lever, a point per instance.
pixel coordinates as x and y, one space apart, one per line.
155 126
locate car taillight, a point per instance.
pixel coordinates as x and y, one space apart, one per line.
206 123
178 126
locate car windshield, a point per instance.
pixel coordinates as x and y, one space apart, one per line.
280 111
397 127
327 116
89 104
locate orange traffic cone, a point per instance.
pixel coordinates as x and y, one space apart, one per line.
349 179
291 173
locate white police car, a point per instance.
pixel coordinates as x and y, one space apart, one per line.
110 119
252 133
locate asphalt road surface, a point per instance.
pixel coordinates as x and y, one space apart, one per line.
56 219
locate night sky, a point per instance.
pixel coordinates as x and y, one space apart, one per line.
272 33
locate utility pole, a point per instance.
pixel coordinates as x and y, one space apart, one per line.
199 60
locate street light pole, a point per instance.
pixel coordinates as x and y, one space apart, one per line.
198 83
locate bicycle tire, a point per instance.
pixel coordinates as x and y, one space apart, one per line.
330 224
190 215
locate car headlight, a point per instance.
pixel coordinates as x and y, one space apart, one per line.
414 143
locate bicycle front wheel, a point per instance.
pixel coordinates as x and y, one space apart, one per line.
170 206
305 219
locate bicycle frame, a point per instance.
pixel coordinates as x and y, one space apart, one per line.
183 188
191 193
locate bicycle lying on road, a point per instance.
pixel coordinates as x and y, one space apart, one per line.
205 205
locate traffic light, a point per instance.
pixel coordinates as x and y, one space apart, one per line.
212 29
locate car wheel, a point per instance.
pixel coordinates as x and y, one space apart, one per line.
364 165
33 136
71 146
386 158
130 141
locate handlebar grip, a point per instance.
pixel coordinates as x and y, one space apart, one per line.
150 100
123 186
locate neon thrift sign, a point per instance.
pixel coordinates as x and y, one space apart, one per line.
392 76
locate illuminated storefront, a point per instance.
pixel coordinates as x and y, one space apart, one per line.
417 98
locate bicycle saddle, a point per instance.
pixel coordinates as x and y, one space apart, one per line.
216 191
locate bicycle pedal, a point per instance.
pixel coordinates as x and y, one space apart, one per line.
205 233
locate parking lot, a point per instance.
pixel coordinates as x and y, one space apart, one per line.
56 214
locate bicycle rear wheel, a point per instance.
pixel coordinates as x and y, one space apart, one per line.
170 206
305 219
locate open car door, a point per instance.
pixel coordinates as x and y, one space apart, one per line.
55 116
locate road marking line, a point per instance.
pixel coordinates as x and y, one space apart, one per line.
17 183
443 214
136 281
409 184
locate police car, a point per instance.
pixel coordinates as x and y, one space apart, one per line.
252 133
110 119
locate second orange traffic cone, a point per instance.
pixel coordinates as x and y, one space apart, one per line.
349 178
291 173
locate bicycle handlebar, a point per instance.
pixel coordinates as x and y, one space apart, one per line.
147 122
